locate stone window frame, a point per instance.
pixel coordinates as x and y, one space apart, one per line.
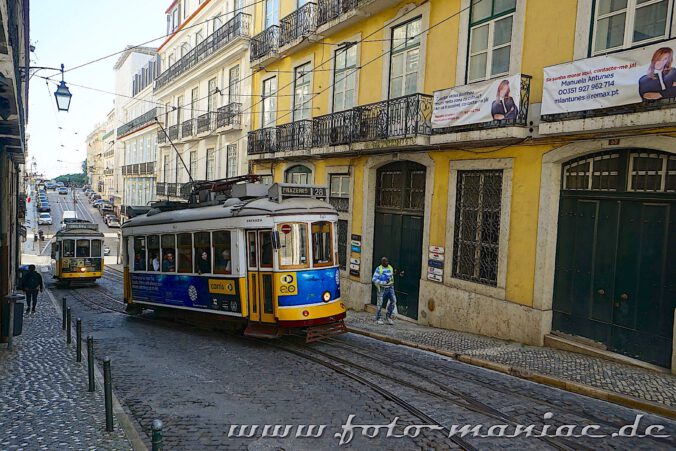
343 215
506 165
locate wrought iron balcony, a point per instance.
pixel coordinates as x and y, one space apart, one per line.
295 135
328 10
161 137
229 115
204 122
173 132
265 43
340 203
300 23
186 128
262 140
161 189
238 26
395 118
520 120
137 123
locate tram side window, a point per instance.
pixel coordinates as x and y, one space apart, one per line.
96 248
139 253
82 248
202 252
185 252
293 242
68 248
153 253
266 249
222 253
168 253
322 241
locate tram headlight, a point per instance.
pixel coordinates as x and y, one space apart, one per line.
326 296
83 269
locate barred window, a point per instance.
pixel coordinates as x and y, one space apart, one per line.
342 244
477 226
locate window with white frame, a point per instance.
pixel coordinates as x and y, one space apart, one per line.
233 84
199 37
298 174
266 179
271 13
211 162
301 92
165 168
217 22
339 191
193 163
405 58
269 102
231 161
490 38
345 78
185 48
179 109
622 24
477 226
213 92
194 99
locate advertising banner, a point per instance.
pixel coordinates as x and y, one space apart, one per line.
493 100
610 80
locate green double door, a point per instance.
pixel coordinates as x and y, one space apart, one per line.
615 279
398 233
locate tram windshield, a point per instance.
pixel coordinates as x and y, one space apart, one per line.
68 248
96 248
82 248
293 246
322 254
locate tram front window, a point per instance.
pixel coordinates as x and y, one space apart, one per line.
202 252
139 253
153 253
82 248
68 248
322 254
293 242
168 253
96 248
185 252
222 253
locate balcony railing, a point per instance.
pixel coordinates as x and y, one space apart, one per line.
173 132
229 115
204 122
300 23
161 137
139 168
328 10
262 140
520 120
238 26
403 117
295 135
186 128
137 123
265 43
161 189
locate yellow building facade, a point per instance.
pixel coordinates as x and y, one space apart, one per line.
468 207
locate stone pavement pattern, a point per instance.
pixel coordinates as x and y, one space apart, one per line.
596 372
44 403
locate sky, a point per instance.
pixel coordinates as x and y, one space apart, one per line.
73 32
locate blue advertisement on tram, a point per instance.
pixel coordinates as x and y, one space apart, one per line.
308 287
201 292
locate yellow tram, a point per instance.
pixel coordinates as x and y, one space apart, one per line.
78 253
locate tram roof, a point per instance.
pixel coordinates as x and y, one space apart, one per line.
75 233
253 207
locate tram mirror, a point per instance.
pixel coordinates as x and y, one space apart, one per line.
276 242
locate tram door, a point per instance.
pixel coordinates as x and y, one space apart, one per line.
259 275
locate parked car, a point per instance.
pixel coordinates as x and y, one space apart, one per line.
94 197
106 250
104 206
59 184
45 219
114 223
62 190
96 202
108 217
44 207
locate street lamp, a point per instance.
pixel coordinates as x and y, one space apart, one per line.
62 95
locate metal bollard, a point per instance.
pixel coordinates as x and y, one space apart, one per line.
157 436
64 305
78 340
68 326
90 362
108 393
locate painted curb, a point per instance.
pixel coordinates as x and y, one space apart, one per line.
552 381
130 431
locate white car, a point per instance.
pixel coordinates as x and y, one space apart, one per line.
45 219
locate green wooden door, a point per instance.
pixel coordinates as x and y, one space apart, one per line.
615 282
398 233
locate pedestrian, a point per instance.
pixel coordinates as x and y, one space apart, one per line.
383 279
32 282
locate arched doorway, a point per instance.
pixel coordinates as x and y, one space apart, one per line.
398 232
615 271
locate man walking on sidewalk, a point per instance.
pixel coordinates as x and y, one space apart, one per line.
383 279
32 282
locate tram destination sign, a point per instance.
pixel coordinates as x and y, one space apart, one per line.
279 191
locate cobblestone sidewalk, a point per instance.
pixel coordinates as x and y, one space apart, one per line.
44 403
595 372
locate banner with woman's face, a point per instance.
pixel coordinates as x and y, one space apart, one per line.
622 78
